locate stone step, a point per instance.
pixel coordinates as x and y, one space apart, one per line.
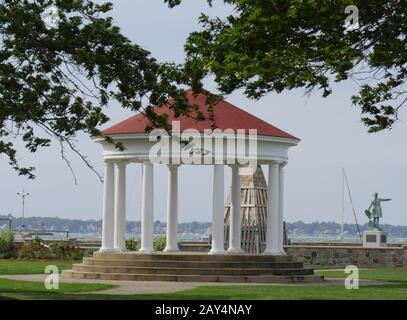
190 264
191 271
191 256
195 278
187 266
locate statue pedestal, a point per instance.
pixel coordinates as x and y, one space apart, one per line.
374 239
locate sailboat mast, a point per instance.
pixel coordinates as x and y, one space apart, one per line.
351 202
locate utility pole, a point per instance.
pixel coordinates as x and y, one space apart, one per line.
23 195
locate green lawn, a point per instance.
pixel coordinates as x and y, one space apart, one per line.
9 266
30 290
380 273
11 289
259 292
397 290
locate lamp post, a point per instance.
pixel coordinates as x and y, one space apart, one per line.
23 195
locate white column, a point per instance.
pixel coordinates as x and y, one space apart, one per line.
172 209
108 209
147 209
120 208
273 208
218 241
235 231
281 203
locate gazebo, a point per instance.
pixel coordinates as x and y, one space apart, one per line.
268 145
228 137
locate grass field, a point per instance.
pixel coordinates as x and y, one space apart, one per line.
398 275
395 290
11 289
29 266
30 290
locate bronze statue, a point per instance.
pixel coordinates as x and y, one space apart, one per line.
374 212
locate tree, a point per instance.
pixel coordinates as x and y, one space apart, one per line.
276 45
56 80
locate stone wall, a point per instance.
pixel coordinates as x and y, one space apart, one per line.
395 256
333 254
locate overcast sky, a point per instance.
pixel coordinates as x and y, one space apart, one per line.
330 129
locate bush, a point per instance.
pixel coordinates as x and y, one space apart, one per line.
34 250
6 244
37 241
132 245
62 250
79 253
159 243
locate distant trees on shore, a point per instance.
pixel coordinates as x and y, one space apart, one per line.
196 228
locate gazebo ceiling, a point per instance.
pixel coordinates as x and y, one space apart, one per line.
227 116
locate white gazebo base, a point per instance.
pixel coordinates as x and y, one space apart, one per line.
196 267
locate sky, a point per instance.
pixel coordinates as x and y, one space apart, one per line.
332 138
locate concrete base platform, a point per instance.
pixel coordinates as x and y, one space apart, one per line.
193 267
374 239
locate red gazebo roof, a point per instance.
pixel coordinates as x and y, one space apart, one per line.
227 116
